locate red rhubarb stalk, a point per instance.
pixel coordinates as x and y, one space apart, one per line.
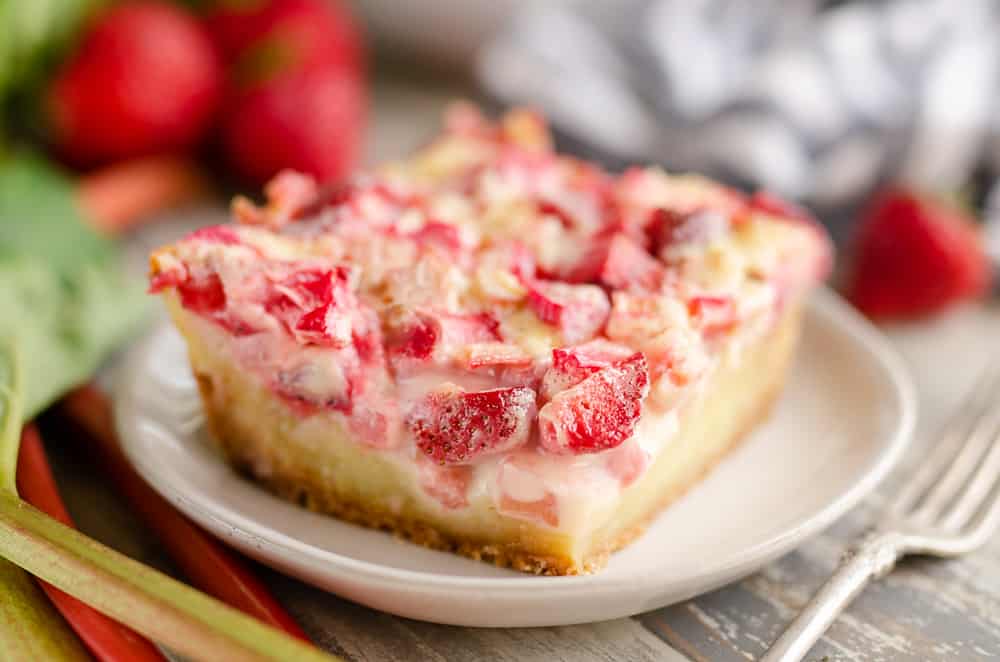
108 640
203 560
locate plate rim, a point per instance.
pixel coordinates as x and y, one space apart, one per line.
830 307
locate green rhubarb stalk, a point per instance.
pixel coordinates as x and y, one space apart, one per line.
30 628
163 609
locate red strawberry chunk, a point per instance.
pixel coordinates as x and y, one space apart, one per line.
453 426
579 311
571 365
713 314
598 413
202 294
915 256
629 266
467 329
416 339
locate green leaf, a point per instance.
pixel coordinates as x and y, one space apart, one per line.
66 301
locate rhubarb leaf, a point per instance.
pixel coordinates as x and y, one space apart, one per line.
64 297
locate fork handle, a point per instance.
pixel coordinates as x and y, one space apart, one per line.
873 558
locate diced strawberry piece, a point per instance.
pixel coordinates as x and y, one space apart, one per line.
496 355
453 426
571 365
448 484
629 266
579 311
417 339
218 234
628 462
598 413
713 314
915 256
671 228
203 294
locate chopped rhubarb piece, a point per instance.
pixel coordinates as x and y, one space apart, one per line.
288 194
597 414
628 462
571 365
713 314
667 228
316 305
467 329
635 318
447 484
549 208
915 256
453 426
522 491
444 235
219 234
496 355
629 266
768 203
579 311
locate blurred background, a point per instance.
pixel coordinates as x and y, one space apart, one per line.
882 117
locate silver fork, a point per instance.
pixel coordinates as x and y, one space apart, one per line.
950 506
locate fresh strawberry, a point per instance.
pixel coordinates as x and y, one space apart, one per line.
309 120
579 311
571 365
264 35
453 426
629 266
915 256
598 413
144 80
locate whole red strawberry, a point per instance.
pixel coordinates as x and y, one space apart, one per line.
297 94
915 256
310 121
292 34
145 79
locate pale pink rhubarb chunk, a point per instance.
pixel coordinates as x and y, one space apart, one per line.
288 195
597 414
495 355
579 311
629 266
522 492
571 365
447 484
454 426
628 462
713 314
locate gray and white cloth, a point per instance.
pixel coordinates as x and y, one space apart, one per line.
819 101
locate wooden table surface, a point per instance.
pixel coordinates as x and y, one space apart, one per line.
925 610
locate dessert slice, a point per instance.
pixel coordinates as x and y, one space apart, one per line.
488 347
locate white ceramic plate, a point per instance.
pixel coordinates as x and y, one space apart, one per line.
846 414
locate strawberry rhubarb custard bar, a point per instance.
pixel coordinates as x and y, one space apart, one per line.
489 347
